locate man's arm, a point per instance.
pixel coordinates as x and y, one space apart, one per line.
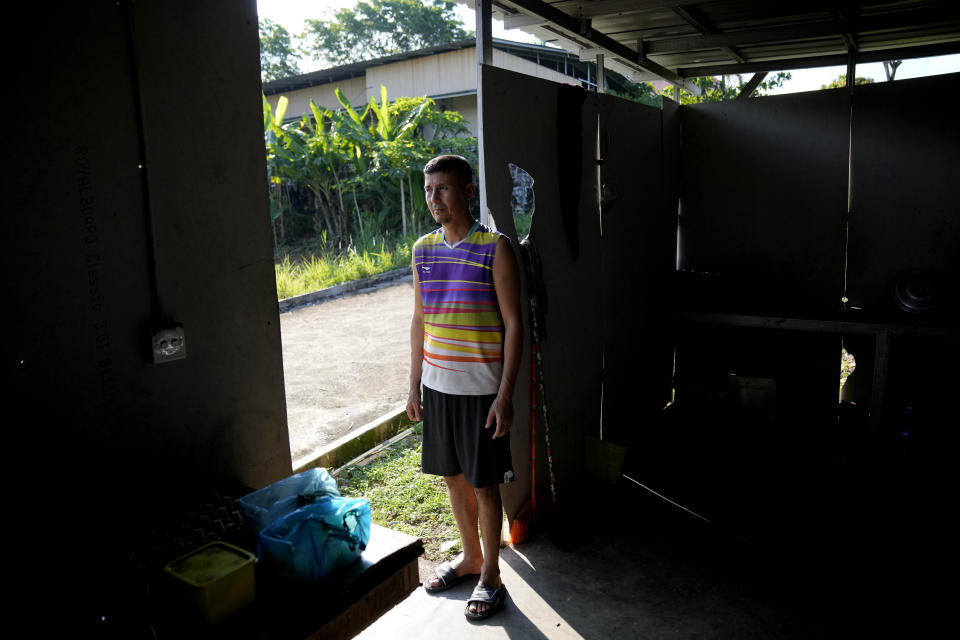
414 406
506 282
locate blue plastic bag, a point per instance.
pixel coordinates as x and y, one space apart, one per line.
313 541
262 507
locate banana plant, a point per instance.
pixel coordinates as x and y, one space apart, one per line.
354 161
278 196
394 150
354 126
313 154
326 160
334 154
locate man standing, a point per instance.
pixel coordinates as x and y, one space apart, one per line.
465 345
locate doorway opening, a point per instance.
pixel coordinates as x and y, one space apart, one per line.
847 364
522 201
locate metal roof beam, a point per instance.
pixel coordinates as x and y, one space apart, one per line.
832 28
522 20
837 60
580 29
597 9
692 16
590 55
601 8
848 40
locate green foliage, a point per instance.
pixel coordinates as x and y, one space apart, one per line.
772 82
713 89
718 89
522 221
278 57
311 154
360 167
377 28
847 365
332 267
642 92
841 81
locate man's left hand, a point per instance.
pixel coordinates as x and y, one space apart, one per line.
501 415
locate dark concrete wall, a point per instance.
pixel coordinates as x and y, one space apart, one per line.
762 209
762 206
84 255
756 424
906 165
905 169
762 192
763 200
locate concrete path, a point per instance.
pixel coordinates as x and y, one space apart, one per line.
345 362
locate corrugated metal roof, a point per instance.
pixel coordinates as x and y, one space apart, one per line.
680 39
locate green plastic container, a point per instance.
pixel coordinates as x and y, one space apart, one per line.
604 460
214 581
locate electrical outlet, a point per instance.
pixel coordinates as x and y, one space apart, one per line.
168 344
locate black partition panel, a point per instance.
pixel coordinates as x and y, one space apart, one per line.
906 168
764 194
638 256
600 291
523 126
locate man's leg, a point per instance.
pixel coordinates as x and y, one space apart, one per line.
463 503
490 510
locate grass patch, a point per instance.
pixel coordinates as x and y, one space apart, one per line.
404 499
311 272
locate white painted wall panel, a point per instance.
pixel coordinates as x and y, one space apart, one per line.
354 89
441 74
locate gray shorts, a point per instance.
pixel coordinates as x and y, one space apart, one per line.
455 440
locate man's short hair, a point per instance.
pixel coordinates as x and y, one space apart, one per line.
457 165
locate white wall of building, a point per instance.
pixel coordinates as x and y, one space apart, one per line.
449 77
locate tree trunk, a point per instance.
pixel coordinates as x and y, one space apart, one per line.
890 68
403 209
318 206
356 207
280 193
413 212
343 216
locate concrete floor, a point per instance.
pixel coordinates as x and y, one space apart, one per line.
668 575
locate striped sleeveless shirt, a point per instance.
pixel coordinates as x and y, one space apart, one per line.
462 326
